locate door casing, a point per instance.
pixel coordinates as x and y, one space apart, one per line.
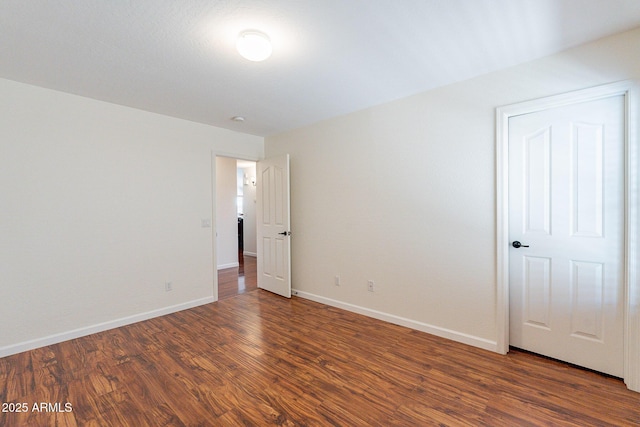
628 89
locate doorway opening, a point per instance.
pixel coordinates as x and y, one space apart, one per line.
235 226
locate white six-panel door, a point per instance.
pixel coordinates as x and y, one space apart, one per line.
273 225
566 208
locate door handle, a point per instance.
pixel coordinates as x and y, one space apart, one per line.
285 233
517 245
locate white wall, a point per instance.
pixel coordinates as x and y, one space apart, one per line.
226 212
249 209
100 205
404 194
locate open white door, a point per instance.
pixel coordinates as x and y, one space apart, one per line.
273 226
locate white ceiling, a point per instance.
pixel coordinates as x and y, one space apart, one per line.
331 57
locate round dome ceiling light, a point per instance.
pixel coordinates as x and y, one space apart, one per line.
238 119
254 46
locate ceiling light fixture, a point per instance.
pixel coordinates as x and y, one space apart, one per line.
254 45
239 119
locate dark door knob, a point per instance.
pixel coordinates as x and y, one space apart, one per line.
517 245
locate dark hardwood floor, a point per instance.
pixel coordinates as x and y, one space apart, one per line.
238 280
258 359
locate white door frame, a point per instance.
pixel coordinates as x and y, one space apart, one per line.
628 89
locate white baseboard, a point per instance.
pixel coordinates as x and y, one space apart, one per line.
100 327
397 320
229 265
252 254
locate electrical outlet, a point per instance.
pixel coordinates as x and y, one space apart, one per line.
370 285
337 280
168 286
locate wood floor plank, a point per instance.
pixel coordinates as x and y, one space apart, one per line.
238 280
259 359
